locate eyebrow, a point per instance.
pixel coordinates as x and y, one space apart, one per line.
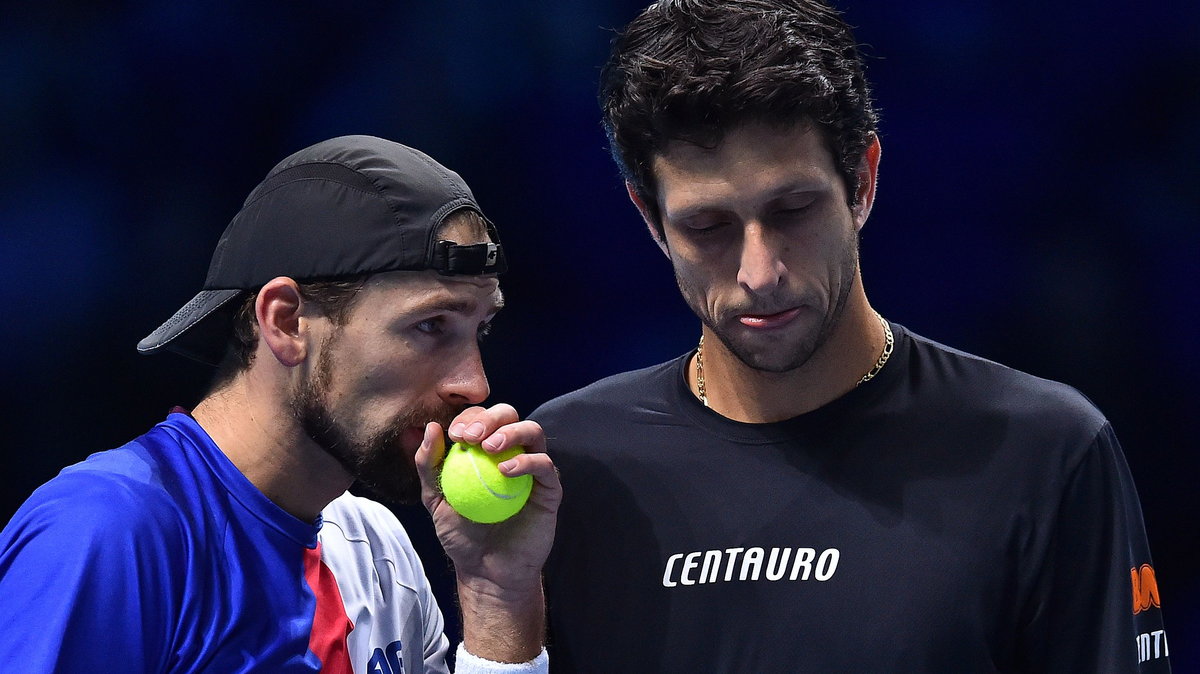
455 305
771 195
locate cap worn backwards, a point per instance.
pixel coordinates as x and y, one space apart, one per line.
346 206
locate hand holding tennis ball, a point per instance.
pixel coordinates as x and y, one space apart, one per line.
474 486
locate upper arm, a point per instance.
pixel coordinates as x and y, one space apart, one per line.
1083 616
85 572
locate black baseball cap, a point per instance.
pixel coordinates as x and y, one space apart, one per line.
343 207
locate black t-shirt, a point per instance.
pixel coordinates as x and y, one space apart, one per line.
951 515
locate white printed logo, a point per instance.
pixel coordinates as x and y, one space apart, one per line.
749 564
1157 639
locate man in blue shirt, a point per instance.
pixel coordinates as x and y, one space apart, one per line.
342 308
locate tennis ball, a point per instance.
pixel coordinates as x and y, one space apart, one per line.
476 488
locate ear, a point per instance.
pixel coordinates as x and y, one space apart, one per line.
280 329
868 170
647 218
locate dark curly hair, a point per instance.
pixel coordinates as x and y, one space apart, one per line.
691 70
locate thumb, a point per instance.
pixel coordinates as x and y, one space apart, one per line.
427 459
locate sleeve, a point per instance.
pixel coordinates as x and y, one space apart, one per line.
83 577
1095 604
381 580
434 644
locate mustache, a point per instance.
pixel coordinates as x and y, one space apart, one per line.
390 436
442 413
387 469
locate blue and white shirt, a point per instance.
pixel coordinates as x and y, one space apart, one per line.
160 556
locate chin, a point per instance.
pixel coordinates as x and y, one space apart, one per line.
769 353
404 490
777 362
384 467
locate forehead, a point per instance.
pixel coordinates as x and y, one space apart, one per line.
405 292
752 157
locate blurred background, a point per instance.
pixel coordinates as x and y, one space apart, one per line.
1037 202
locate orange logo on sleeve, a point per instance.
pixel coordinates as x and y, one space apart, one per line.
1145 588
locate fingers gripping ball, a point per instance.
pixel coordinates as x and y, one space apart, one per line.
476 488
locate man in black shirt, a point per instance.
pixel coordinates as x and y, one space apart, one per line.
815 488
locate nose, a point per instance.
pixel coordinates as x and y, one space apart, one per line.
466 383
760 268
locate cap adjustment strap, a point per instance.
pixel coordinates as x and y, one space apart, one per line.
450 258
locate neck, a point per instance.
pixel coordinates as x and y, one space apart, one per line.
252 426
745 394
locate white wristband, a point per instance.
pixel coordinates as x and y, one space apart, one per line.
466 663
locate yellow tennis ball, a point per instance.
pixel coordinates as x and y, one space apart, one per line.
476 488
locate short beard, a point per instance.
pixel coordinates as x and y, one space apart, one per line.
378 463
800 352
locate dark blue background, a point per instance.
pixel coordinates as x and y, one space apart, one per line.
1036 201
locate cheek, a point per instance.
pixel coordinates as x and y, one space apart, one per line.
705 264
370 378
392 378
377 398
823 254
703 287
694 278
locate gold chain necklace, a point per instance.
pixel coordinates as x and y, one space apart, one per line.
888 344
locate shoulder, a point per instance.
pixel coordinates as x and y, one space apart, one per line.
355 518
111 493
358 531
619 391
955 381
100 543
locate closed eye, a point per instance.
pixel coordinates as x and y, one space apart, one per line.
705 227
792 215
794 205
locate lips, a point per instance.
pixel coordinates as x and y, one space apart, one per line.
769 321
411 437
